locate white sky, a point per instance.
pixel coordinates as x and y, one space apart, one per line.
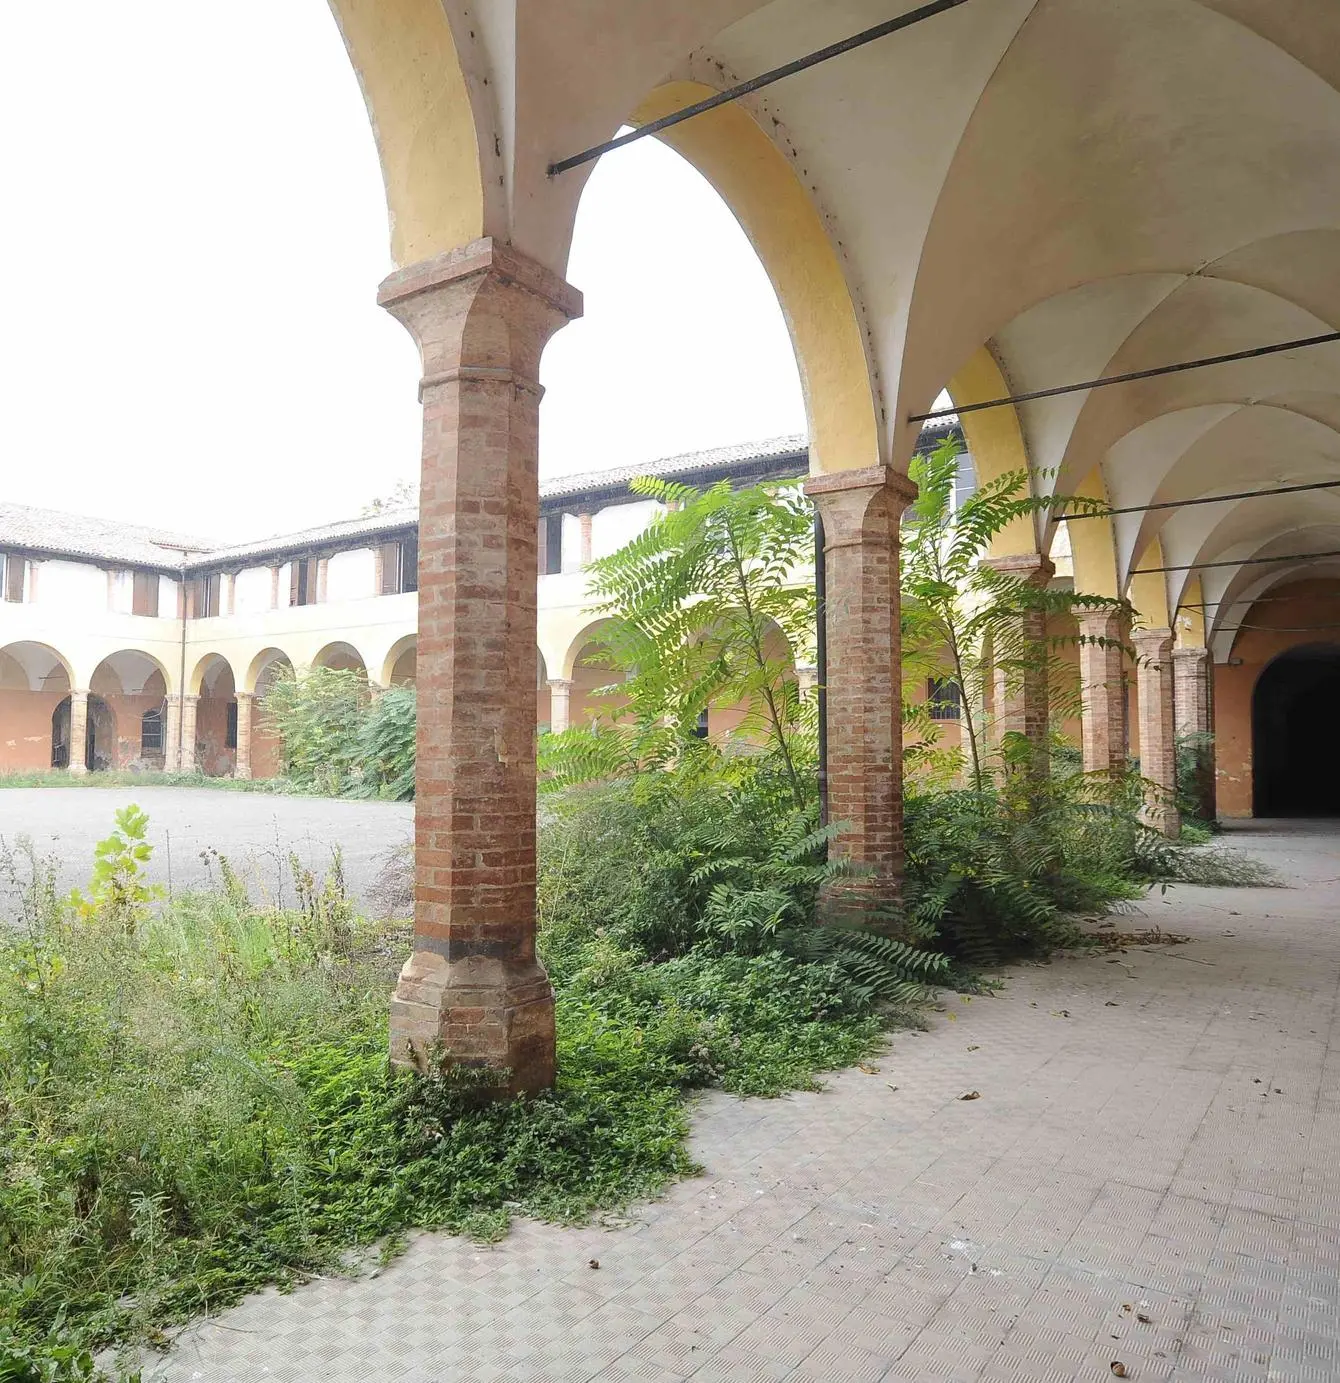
193 233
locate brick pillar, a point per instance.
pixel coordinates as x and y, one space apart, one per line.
78 731
584 520
1154 694
1019 693
861 511
1102 676
171 723
1191 716
473 989
245 702
560 704
188 757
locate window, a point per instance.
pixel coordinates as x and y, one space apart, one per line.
400 566
13 568
144 598
302 581
151 731
230 727
942 697
553 544
202 596
965 481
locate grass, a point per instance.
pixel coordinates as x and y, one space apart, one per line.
121 778
195 1099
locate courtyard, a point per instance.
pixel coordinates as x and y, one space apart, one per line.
1149 1176
256 831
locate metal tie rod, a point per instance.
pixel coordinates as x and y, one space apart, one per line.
722 98
1241 562
1202 499
1106 380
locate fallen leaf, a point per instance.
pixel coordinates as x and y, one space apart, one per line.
953 1017
1142 1318
971 1095
1119 1369
891 1087
976 1046
594 1263
1060 1013
1126 1306
1111 1003
869 1070
1278 1091
1256 1080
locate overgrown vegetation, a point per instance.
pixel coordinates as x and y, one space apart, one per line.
338 738
195 1097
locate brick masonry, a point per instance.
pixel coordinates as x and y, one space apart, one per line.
1192 716
1158 758
473 990
1102 668
861 512
1020 698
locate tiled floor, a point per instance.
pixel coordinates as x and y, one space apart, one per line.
1150 1176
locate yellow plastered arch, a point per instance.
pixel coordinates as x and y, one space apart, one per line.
1093 547
996 442
1190 624
768 200
1148 592
419 104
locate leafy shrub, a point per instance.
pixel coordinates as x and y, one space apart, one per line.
339 739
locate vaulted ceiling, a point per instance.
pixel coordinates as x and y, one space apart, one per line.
1084 187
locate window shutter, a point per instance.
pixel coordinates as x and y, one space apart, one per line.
13 571
294 576
389 559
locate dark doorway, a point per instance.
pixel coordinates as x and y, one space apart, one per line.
1296 734
99 735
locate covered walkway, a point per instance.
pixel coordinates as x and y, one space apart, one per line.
1150 1176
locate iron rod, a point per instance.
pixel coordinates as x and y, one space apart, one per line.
722 98
1203 499
1102 383
1241 562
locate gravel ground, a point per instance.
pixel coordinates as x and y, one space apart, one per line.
255 830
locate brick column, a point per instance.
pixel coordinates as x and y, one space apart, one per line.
861 511
171 721
78 731
1154 694
245 703
1191 716
1102 677
584 552
1019 693
473 990
188 709
560 704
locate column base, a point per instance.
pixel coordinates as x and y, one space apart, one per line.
477 1011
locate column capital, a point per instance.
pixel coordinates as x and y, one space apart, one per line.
449 302
860 506
1152 643
561 683
1032 567
244 696
1102 623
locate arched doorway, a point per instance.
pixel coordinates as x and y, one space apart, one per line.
99 748
1296 734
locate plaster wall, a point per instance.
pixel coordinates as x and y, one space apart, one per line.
1295 610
